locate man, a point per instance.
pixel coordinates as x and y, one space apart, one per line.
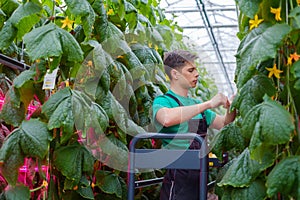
176 112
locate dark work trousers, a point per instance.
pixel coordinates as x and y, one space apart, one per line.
182 184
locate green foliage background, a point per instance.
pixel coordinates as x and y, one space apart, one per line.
265 136
110 70
110 62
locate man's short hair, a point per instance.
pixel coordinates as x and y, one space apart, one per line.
177 59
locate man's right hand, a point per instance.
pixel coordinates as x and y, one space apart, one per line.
219 100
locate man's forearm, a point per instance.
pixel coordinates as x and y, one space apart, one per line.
230 116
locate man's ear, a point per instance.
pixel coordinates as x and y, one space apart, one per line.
174 73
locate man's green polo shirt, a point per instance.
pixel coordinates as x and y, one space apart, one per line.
166 101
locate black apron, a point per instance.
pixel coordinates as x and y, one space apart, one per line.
182 184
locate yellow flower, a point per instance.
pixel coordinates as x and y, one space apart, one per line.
274 71
255 22
67 22
45 184
67 83
110 12
298 1
289 61
90 63
294 56
276 11
156 47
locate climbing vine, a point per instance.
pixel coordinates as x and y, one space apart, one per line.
70 141
266 133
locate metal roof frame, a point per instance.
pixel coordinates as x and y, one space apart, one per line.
216 24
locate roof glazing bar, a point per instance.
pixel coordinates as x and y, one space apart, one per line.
213 40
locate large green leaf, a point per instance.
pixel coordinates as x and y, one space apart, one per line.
134 65
118 82
112 39
295 18
73 161
259 45
114 109
101 59
9 6
296 72
25 76
256 191
146 57
59 110
144 105
228 138
35 138
156 38
26 86
100 117
7 35
243 171
11 157
13 110
53 102
25 17
167 34
111 151
285 178
78 9
134 129
52 41
267 124
85 11
85 189
68 108
95 79
249 8
110 183
19 192
252 93
93 114
131 15
138 34
149 12
31 139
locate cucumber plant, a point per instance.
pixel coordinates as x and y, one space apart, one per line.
266 133
109 56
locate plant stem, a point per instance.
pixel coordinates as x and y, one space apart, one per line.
279 67
292 102
53 8
36 189
287 11
291 4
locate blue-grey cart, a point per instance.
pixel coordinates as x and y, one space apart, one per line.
168 159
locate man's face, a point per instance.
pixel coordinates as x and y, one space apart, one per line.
188 76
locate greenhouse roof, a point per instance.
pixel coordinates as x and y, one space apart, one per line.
211 26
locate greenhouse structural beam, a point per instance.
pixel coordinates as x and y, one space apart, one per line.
196 10
12 63
209 29
213 26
